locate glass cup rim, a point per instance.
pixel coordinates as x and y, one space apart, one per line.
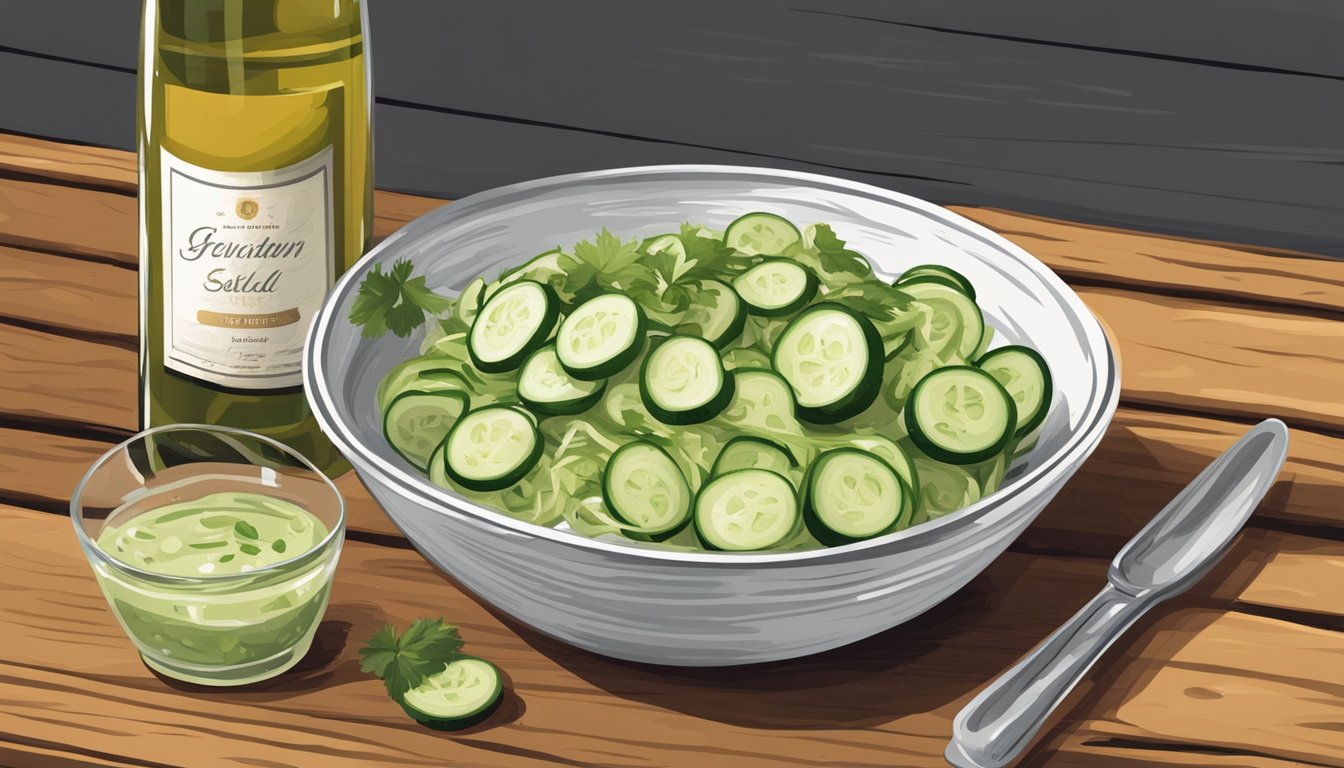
89 545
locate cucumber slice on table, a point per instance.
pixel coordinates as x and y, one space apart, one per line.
463 694
422 374
956 324
776 287
416 422
492 448
643 487
1023 372
683 381
601 337
960 415
716 313
746 510
545 388
851 495
762 402
748 451
511 325
832 358
938 272
761 233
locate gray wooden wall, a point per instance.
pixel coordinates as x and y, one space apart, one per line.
1219 119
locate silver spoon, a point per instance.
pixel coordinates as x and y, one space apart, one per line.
1169 555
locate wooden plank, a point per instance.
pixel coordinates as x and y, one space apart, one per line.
67 380
73 164
72 297
1209 683
1168 132
100 226
853 706
1140 261
1212 358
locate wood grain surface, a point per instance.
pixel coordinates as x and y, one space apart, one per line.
1151 115
1243 671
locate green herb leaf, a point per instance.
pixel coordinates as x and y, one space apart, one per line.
249 549
394 301
404 662
245 530
278 545
834 257
226 558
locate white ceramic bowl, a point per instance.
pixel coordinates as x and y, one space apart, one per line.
709 609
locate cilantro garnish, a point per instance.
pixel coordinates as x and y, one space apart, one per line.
834 257
404 661
394 301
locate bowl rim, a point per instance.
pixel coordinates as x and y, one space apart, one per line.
1097 415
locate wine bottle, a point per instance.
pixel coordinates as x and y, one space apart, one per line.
254 131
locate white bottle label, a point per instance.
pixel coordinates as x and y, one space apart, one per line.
247 260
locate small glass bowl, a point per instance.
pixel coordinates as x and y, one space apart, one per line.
210 628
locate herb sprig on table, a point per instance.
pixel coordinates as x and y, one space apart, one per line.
404 660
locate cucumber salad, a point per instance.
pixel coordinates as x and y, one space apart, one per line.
759 388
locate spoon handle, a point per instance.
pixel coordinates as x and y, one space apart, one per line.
1000 722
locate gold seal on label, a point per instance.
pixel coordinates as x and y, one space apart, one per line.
247 209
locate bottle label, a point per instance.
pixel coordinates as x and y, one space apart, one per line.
247 261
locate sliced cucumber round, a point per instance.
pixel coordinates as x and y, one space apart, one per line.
903 371
416 422
955 324
749 451
601 337
545 388
492 448
762 402
1023 372
832 358
746 510
891 453
960 415
516 320
851 495
683 381
643 487
463 694
938 272
761 233
716 313
776 287
420 373
468 303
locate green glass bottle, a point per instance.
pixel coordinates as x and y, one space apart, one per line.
256 192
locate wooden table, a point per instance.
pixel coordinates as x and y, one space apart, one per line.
1246 670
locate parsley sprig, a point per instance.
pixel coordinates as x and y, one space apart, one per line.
395 301
403 661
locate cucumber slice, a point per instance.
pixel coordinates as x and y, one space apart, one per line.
761 233
463 694
746 510
901 373
960 415
748 451
938 272
468 303
745 357
762 402
1023 373
642 486
776 287
716 313
492 448
416 422
420 373
545 388
944 489
832 358
851 495
540 268
601 337
956 324
513 323
891 453
683 381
